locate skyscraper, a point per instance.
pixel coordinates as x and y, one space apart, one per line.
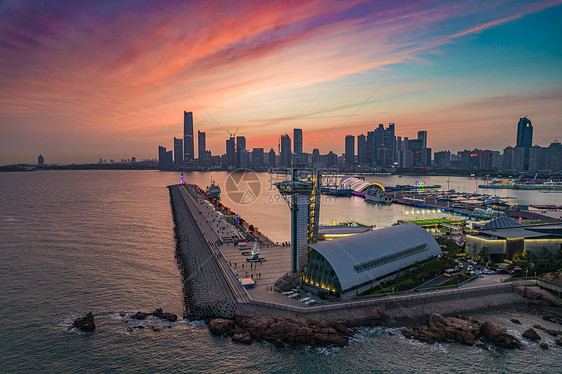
271 158
297 138
161 157
362 149
422 135
257 158
240 148
525 137
178 151
349 149
40 161
201 144
524 133
285 151
230 153
188 152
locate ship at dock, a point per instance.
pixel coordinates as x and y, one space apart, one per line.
523 185
214 190
378 198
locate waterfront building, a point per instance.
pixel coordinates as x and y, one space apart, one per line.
286 159
416 146
178 152
360 187
497 160
201 145
161 157
188 155
524 133
537 158
371 148
40 160
508 158
243 156
486 160
406 158
442 159
169 159
257 158
240 146
353 264
554 156
474 161
525 137
349 149
505 238
297 139
315 156
518 159
271 158
362 149
331 159
230 152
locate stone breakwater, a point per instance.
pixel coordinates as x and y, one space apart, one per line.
206 291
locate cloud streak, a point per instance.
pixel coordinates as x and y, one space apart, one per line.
76 70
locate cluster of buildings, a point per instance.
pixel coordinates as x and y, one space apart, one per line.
378 149
524 156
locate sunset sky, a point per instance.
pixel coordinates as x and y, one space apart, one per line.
81 80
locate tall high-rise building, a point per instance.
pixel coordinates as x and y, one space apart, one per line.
525 137
422 135
554 156
297 139
286 159
240 148
188 150
518 161
349 149
390 144
230 152
508 158
524 133
371 148
40 161
362 149
161 157
201 144
271 158
178 151
257 158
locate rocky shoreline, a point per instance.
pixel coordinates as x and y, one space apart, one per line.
281 331
465 330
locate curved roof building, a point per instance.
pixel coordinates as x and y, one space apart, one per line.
359 186
349 265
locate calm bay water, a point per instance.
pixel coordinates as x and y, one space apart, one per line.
102 241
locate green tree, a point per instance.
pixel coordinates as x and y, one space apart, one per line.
484 253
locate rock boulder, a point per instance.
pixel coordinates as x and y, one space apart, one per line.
85 323
530 333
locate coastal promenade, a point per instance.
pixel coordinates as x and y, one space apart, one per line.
229 264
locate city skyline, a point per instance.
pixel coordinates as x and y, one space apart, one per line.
82 81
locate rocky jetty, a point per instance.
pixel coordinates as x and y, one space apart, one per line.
157 313
462 330
85 323
281 331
